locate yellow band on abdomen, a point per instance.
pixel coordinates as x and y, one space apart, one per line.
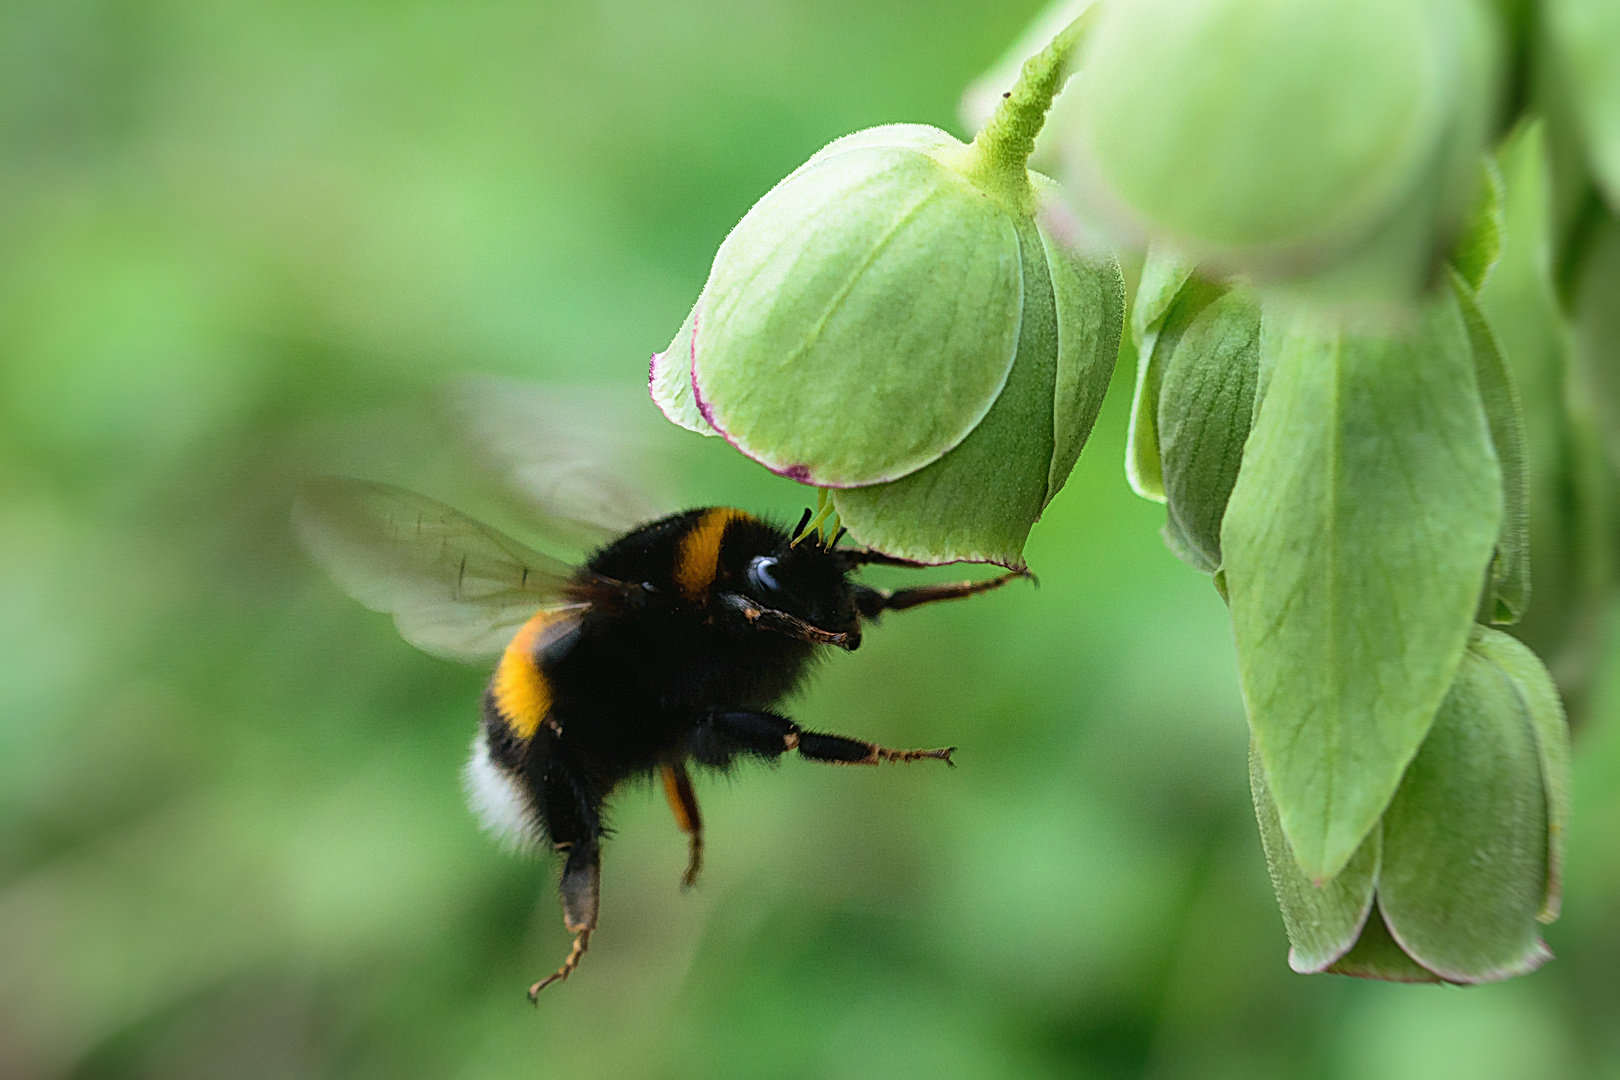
521 690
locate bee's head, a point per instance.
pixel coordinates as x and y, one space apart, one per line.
791 588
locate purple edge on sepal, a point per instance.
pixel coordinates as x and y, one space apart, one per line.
800 472
653 364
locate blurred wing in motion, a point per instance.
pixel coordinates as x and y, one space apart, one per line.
587 463
456 587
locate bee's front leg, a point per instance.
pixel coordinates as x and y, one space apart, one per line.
872 602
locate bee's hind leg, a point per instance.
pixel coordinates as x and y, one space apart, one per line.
575 826
770 735
581 892
683 802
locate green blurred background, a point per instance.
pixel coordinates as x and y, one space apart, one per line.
243 241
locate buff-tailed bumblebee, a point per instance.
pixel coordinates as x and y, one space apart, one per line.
670 645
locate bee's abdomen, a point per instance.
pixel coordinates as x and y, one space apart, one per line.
519 697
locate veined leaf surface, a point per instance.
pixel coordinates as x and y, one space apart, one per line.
1354 547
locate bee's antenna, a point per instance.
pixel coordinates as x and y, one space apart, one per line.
803 521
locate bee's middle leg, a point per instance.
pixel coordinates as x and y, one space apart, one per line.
683 803
770 735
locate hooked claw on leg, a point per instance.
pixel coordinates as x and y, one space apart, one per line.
580 887
582 941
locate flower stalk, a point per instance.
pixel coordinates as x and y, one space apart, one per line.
998 158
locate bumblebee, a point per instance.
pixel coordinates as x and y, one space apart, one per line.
670 646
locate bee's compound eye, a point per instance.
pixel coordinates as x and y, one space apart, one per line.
759 572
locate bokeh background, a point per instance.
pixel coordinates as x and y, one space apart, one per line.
243 241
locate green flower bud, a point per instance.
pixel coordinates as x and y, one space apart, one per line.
1333 141
1451 883
863 316
903 319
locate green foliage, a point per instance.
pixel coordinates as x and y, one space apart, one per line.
1323 401
1553 366
1355 542
1463 862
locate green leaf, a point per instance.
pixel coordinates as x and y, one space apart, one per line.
1507 593
1585 36
1354 544
1206 404
1142 464
977 503
1465 838
1323 922
861 319
1090 297
1481 242
1379 956
1539 699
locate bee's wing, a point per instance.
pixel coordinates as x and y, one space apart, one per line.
456 587
588 463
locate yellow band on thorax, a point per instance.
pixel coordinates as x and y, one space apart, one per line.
698 560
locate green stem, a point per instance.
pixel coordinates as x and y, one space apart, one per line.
999 156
